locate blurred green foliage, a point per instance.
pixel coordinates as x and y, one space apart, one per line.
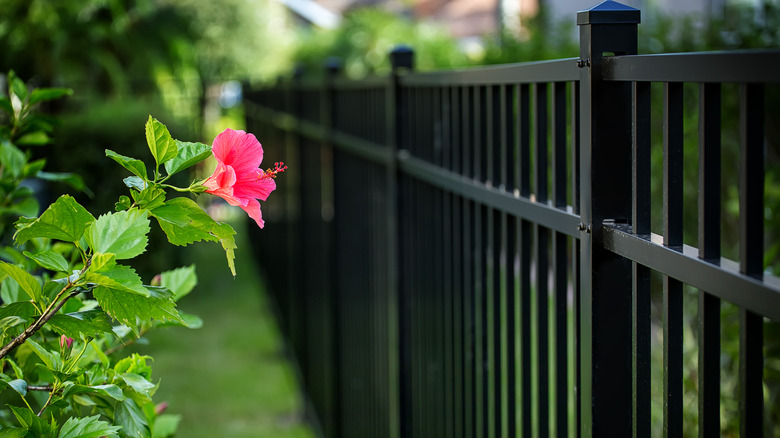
367 35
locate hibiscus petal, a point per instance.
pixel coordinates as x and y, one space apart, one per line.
253 210
238 149
257 188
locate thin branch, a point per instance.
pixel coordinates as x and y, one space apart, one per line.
47 388
45 317
45 405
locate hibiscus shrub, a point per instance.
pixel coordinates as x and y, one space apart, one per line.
71 303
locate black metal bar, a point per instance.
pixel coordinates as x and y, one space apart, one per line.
542 71
553 218
459 322
709 250
673 238
560 269
542 264
470 407
751 254
512 282
497 334
641 303
510 135
560 174
735 66
446 280
724 281
526 242
560 261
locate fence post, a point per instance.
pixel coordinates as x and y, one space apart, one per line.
605 331
401 58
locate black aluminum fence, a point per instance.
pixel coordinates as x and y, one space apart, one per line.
470 253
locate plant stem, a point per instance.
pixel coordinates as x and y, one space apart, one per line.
45 405
46 388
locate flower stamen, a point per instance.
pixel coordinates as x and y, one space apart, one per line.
279 167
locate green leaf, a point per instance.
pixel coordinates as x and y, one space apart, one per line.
17 371
50 260
124 203
9 291
70 179
90 323
165 425
117 277
196 228
18 87
189 155
12 159
5 105
43 94
149 198
26 207
160 143
27 282
22 309
132 419
13 432
135 363
136 166
189 321
87 427
128 307
18 385
64 220
135 182
50 358
200 226
109 390
138 383
180 281
123 233
35 138
225 233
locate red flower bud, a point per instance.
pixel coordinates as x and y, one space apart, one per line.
65 342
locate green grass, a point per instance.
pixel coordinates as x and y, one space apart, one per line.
230 377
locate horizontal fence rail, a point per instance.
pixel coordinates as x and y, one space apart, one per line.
494 252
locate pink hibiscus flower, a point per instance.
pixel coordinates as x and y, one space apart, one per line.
238 178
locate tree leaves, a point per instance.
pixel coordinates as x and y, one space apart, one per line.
64 220
27 282
90 323
160 143
122 233
130 308
50 260
189 155
180 281
135 166
87 427
200 226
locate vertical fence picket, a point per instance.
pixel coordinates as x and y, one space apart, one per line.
709 249
751 250
640 220
673 229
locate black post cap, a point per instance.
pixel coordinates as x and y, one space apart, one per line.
609 12
402 57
